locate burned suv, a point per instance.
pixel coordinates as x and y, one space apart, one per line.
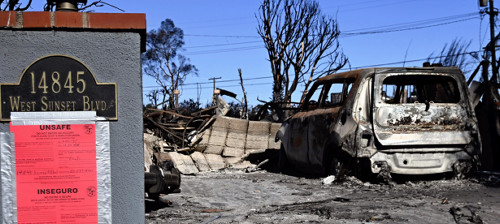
394 120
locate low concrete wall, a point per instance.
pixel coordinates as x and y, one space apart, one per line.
226 143
234 137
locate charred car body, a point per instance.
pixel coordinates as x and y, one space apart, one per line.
396 120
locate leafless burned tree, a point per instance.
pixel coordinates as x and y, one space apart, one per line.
302 44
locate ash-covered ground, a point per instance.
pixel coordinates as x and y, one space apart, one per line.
235 196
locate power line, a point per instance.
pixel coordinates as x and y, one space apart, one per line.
414 25
377 5
402 29
357 3
224 36
343 69
230 80
400 62
420 22
245 20
390 28
235 85
224 50
226 44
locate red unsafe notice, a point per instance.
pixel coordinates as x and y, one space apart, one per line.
56 176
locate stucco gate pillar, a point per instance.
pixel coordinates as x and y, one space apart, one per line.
97 60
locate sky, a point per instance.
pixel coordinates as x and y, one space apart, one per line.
221 36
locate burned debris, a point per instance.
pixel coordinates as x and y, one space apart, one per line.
200 141
368 123
378 122
161 174
218 142
176 128
372 123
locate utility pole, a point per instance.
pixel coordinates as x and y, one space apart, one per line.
494 65
216 95
488 112
198 92
213 78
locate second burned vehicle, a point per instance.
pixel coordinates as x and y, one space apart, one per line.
393 120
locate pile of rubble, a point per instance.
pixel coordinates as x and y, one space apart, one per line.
204 143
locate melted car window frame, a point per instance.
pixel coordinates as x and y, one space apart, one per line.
419 88
321 101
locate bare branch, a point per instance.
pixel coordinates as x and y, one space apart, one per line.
99 3
24 8
300 42
245 106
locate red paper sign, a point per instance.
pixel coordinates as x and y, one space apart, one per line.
56 176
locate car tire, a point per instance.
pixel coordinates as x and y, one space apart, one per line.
331 164
282 159
338 163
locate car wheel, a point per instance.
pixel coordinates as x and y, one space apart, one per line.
332 165
282 160
154 196
338 163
